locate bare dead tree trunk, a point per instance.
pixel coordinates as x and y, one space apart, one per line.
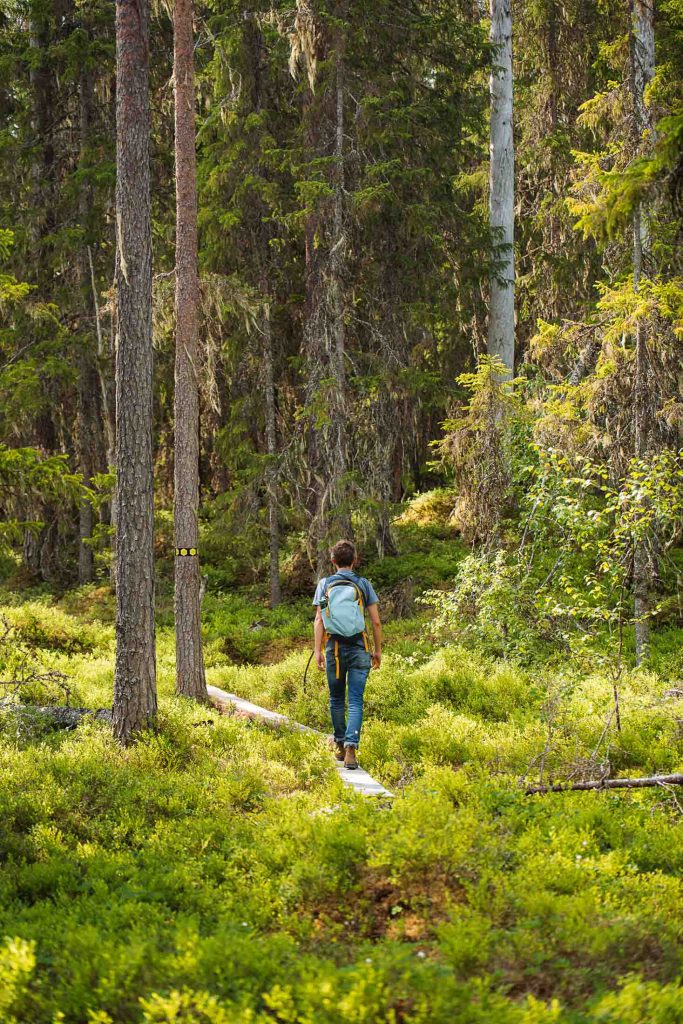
135 698
501 335
190 677
642 40
325 330
638 783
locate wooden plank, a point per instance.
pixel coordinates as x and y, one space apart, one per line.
254 711
358 779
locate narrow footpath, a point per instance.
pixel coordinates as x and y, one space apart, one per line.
358 780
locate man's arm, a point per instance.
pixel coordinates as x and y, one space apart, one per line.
373 612
319 634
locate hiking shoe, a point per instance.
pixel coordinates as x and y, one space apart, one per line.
350 758
337 748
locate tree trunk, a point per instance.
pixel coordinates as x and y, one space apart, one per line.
339 465
190 678
103 372
39 550
324 327
88 418
271 447
113 355
642 40
261 239
135 699
501 335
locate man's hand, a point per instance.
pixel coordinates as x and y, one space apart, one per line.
376 660
320 660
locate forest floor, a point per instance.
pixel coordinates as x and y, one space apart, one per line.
219 872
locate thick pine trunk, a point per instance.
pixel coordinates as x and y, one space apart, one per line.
642 71
501 335
135 699
190 678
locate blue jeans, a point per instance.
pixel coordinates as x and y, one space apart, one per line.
347 666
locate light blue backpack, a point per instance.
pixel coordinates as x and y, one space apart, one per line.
343 606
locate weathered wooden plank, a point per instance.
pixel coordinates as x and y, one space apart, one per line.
358 779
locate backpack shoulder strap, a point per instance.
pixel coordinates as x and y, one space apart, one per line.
361 584
338 580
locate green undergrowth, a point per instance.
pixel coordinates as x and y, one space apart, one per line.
219 872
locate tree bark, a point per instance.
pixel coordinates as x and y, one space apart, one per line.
135 699
190 677
501 334
642 42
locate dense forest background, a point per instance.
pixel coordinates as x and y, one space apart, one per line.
345 257
514 484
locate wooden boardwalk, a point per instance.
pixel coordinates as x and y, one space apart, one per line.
358 780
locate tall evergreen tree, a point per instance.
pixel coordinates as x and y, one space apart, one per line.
135 698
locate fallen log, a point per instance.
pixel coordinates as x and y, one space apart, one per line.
638 783
57 717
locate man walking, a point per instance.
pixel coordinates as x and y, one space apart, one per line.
341 644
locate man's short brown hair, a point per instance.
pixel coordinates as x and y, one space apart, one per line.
343 554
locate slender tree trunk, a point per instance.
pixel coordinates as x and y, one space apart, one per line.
338 404
39 550
272 473
325 329
190 678
113 355
103 377
86 428
88 418
261 238
135 699
642 41
501 336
